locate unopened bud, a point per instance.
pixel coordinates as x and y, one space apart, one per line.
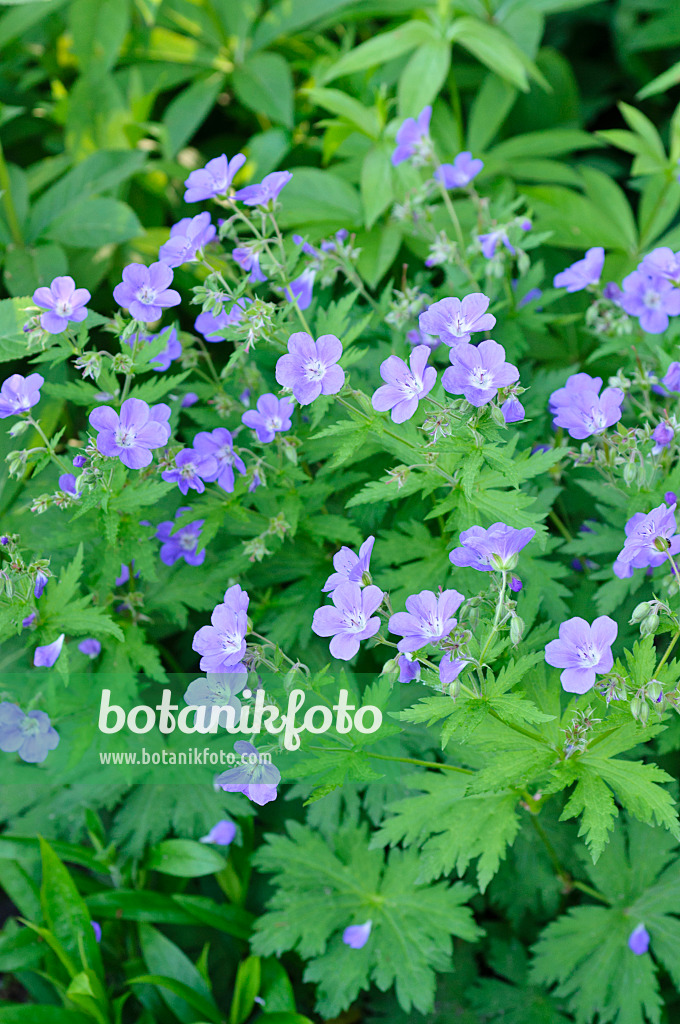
640 612
18 428
654 690
649 625
454 689
289 450
516 630
635 707
630 472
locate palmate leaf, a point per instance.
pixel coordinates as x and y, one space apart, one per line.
585 952
320 891
451 828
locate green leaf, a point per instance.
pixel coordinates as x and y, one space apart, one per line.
319 196
376 183
493 47
323 887
381 48
204 1007
246 987
12 337
489 109
94 222
167 961
345 106
98 28
264 84
184 858
185 114
423 77
65 912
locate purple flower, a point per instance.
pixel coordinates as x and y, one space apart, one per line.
417 337
191 469
453 321
144 291
172 351
222 834
350 621
612 292
30 736
41 579
404 387
583 651
356 935
90 647
478 372
222 644
272 416
182 543
46 656
638 940
512 409
450 668
349 567
650 298
214 179
409 669
493 549
19 394
671 378
575 386
219 445
531 296
413 137
671 498
515 584
310 368
63 302
583 273
218 690
428 619
124 574
662 262
210 324
489 242
249 259
460 173
189 399
79 462
254 777
301 288
663 435
97 929
590 413
68 483
186 237
132 434
267 191
29 620
649 540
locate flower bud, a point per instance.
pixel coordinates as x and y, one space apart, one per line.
654 690
630 472
640 612
643 714
649 625
635 707
454 689
516 630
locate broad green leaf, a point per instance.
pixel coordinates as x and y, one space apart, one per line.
383 47
346 106
184 858
423 77
163 958
376 183
93 223
264 84
246 987
186 113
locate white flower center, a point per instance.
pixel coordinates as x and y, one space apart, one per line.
411 386
356 620
225 455
30 726
64 308
188 470
273 423
187 542
147 295
231 642
481 378
315 370
652 299
588 655
125 438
